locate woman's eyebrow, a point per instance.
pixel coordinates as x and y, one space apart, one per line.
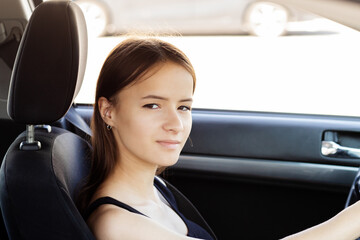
166 99
155 97
186 100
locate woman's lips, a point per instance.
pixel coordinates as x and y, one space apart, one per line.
169 144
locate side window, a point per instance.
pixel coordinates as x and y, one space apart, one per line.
248 56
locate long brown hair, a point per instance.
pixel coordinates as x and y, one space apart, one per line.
125 64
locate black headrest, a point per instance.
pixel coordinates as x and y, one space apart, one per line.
49 65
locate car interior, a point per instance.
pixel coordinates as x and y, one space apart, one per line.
251 175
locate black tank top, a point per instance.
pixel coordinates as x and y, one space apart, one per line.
194 230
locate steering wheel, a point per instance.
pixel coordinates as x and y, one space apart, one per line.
354 194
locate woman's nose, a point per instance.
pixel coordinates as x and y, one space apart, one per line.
173 122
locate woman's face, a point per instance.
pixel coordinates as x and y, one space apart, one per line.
152 118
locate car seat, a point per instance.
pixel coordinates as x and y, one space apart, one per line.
43 168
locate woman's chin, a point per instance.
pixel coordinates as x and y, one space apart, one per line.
170 161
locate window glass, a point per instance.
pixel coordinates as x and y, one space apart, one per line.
240 61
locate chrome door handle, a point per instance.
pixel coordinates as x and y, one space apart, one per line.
333 148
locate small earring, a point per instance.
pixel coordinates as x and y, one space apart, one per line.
108 127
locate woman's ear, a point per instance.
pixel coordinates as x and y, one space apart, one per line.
106 108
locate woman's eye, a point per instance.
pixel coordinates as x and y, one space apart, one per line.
151 106
184 108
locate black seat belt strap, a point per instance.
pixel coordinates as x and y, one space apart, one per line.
188 209
81 127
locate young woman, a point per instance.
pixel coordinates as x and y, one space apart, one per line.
142 119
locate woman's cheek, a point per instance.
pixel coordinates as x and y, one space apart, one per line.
188 124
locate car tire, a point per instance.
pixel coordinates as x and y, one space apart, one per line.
266 19
96 16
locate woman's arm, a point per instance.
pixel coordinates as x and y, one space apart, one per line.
345 225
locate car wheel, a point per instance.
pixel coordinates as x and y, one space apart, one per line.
96 16
266 19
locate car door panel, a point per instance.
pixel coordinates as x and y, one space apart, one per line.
269 136
262 175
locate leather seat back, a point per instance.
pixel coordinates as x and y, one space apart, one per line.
39 182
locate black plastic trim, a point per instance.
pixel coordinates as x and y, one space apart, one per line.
308 173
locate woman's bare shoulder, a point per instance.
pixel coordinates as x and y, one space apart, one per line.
106 221
111 222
